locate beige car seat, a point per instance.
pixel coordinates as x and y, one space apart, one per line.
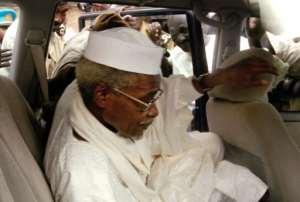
249 124
21 177
257 129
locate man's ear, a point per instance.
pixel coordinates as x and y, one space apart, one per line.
100 95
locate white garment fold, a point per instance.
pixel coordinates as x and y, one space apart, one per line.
121 156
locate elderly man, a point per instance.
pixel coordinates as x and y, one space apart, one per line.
120 130
180 55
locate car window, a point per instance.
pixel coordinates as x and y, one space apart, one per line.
161 29
210 35
8 25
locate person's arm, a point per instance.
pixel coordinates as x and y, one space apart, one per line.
244 74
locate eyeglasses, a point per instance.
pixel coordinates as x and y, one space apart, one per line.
145 106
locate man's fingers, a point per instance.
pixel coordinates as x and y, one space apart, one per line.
268 69
255 60
5 64
4 54
259 82
7 59
254 83
5 50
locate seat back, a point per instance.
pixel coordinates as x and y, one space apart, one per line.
258 129
21 177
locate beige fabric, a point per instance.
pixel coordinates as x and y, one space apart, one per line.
294 130
288 51
5 195
241 94
24 178
23 116
258 128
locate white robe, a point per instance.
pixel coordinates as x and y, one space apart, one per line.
181 62
288 51
113 169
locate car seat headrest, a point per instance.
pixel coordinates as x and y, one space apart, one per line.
241 94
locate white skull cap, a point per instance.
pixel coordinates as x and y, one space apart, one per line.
125 49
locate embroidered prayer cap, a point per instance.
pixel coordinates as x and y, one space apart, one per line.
125 49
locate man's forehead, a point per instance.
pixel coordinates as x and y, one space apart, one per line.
147 82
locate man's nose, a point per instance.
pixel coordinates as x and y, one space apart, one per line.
153 111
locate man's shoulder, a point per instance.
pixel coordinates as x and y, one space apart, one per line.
83 154
69 154
83 172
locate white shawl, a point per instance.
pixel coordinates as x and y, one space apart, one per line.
118 150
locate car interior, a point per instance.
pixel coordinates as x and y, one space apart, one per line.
28 95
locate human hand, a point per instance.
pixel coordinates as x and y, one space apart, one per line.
247 73
154 31
5 57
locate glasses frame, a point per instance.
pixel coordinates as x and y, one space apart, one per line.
145 104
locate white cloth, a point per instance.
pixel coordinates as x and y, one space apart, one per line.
73 51
8 42
209 50
181 62
10 35
288 51
111 168
124 42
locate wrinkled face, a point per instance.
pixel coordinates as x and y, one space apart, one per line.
179 31
126 115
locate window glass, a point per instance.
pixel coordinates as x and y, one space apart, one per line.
209 35
8 26
168 31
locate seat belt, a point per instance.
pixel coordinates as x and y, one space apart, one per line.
36 41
